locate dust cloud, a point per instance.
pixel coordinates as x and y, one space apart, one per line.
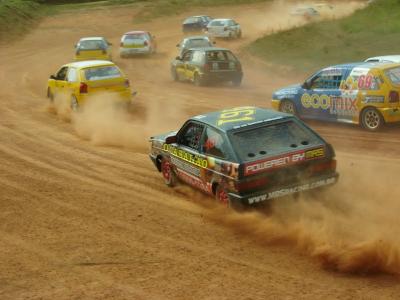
351 227
105 121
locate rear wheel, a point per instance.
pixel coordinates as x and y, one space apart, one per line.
287 106
221 195
74 104
167 172
174 75
198 81
371 119
50 95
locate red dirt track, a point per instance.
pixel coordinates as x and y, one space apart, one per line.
85 215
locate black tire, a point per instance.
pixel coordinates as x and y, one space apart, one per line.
174 75
221 195
288 107
74 104
371 119
237 81
197 80
50 95
168 173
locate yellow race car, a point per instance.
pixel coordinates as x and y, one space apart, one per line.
79 81
93 48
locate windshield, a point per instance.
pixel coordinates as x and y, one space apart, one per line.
256 143
92 45
100 73
218 55
134 38
198 43
394 75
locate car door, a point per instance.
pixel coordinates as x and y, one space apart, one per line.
320 93
196 60
187 160
60 80
71 83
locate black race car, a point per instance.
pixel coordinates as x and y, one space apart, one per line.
195 23
207 65
245 155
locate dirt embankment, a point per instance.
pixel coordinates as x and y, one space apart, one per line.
84 214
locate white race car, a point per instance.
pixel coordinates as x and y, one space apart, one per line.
385 59
224 28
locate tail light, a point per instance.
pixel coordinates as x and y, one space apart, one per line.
146 43
83 88
393 96
252 184
324 166
206 67
127 83
225 28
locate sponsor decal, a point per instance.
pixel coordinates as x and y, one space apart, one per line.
342 105
185 166
284 160
196 160
237 114
292 190
194 181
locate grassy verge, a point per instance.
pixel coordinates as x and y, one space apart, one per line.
374 30
16 16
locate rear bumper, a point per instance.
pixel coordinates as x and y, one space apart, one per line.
124 96
222 76
391 115
134 51
285 190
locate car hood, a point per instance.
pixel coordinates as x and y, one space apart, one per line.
289 90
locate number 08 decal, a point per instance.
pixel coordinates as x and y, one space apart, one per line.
237 114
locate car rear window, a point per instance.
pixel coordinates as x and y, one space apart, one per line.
255 143
217 23
100 73
132 38
219 55
197 43
92 45
394 75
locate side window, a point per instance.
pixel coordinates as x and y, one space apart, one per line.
327 80
72 75
187 55
213 143
198 57
62 73
190 135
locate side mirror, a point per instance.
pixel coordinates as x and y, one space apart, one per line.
214 42
109 44
177 45
53 77
178 58
171 139
306 85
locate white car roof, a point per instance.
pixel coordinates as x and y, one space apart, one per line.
223 20
90 63
92 38
385 58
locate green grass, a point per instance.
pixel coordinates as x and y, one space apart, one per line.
16 16
374 30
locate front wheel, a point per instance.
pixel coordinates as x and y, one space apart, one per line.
50 95
288 107
74 104
371 119
167 172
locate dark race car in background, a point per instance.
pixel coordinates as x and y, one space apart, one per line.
245 155
195 23
207 65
